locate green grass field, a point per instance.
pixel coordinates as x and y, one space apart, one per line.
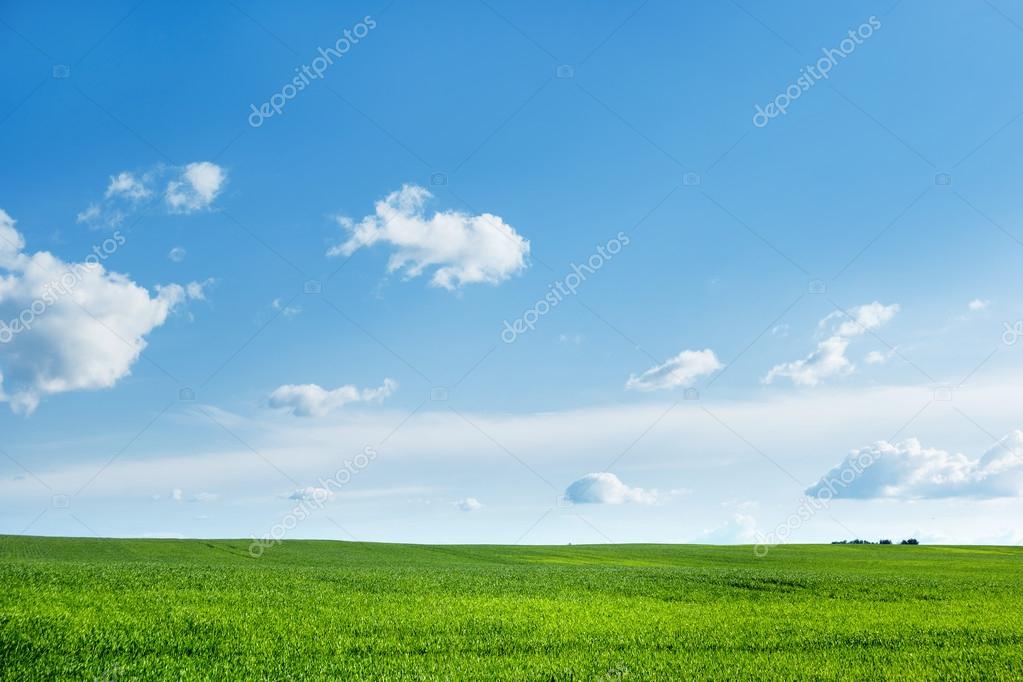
193 609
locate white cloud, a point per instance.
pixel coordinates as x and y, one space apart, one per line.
978 304
864 318
688 447
193 187
606 488
907 470
829 359
192 291
739 529
70 326
177 294
90 214
876 357
780 330
469 504
177 254
464 249
196 291
178 495
285 310
196 188
311 494
680 370
107 213
311 400
126 185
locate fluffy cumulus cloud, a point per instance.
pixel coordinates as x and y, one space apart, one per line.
71 326
191 188
196 188
469 504
606 488
681 370
829 359
311 400
908 470
460 248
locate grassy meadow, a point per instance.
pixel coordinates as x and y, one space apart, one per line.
309 610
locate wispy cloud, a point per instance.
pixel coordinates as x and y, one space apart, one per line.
829 359
312 400
681 370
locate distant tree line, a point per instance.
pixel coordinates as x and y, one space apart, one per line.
910 541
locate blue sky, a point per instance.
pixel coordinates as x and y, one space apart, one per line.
338 277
